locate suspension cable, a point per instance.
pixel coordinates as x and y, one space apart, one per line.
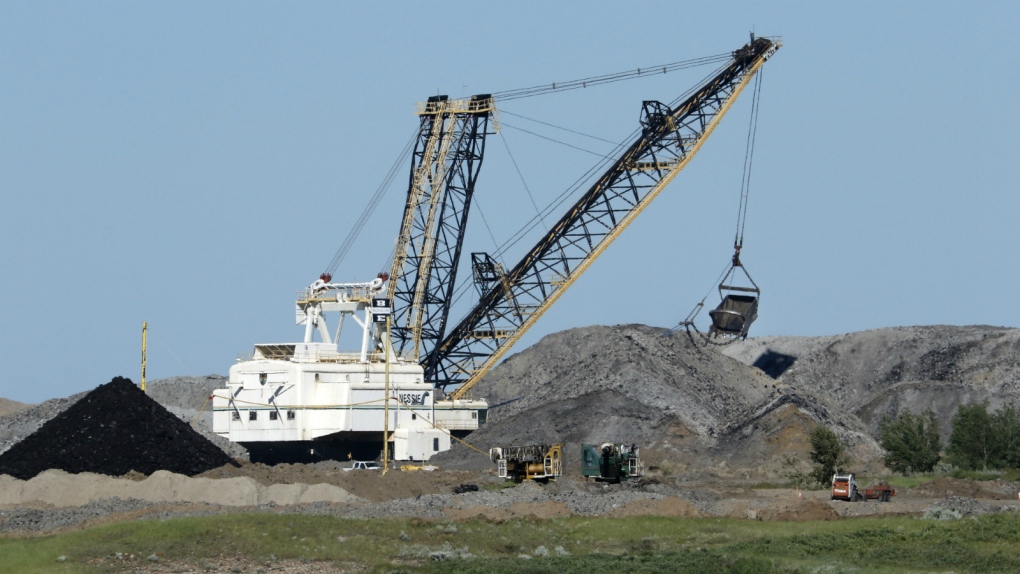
504 112
607 78
547 138
376 198
524 183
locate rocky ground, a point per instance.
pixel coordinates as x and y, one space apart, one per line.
56 501
714 424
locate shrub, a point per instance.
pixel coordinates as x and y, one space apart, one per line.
941 514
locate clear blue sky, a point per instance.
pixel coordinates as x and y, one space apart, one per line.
193 164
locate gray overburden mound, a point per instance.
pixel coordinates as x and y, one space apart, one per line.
113 430
697 408
888 371
643 385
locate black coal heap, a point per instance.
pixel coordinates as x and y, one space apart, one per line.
113 430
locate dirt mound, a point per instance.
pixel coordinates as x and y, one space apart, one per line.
61 489
955 487
185 392
367 484
113 430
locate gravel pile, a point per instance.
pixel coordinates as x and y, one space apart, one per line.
962 505
113 430
48 519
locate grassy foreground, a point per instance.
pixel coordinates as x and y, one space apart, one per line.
562 546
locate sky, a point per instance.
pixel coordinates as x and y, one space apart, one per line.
194 164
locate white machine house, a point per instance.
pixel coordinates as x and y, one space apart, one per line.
307 401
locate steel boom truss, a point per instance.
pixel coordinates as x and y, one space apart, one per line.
444 168
512 302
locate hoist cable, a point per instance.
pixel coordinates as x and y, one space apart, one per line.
738 240
745 180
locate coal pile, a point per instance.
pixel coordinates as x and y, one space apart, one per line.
113 430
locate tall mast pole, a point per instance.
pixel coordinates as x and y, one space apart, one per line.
145 329
386 404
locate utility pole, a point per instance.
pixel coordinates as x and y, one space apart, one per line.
145 330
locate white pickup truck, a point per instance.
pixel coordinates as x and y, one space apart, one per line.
370 465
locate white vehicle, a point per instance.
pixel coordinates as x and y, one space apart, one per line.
308 401
370 465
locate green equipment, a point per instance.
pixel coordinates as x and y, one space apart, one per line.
610 462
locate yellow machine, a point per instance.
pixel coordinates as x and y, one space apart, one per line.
538 462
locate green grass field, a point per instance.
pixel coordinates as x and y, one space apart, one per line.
562 546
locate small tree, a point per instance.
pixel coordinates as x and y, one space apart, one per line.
1006 426
972 442
911 442
827 453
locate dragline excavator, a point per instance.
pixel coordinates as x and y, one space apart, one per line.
309 400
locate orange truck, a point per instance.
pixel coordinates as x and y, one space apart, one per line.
845 487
